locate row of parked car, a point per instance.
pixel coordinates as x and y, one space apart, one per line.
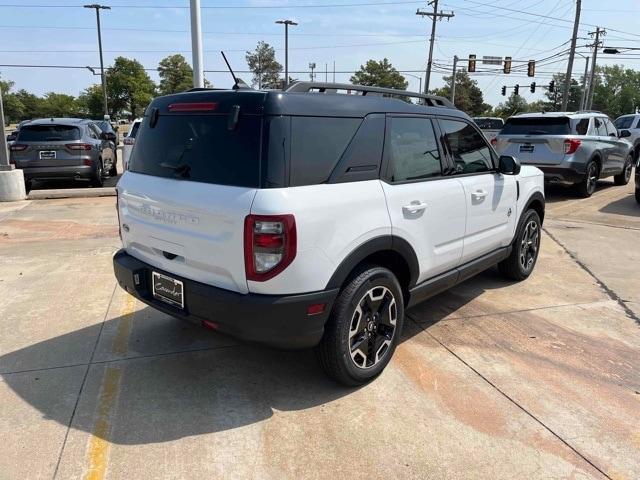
571 148
69 149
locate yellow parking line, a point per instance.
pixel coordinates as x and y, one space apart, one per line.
99 444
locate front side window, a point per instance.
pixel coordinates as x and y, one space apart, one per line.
468 149
412 149
611 130
624 122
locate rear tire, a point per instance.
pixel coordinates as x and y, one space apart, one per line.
624 177
114 169
97 180
637 195
526 247
586 188
364 327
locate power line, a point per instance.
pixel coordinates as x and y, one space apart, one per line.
221 7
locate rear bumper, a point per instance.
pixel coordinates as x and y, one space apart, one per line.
279 321
565 175
84 172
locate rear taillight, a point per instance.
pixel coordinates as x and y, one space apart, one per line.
494 141
270 245
129 140
78 146
571 145
88 162
17 147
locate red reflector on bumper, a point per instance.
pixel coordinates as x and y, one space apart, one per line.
209 325
316 309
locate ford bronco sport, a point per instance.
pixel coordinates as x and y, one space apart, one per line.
314 217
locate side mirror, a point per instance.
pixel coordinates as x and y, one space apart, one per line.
11 138
508 165
624 134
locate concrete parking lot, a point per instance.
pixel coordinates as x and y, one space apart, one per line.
493 379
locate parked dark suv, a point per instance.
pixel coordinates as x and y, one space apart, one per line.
112 136
62 148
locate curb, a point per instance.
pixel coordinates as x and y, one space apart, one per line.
72 193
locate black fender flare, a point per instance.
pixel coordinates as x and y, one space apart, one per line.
370 247
536 196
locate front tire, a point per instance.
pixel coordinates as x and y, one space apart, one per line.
624 176
637 195
114 169
364 327
587 187
524 254
97 180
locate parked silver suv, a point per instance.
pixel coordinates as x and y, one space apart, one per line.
631 123
570 148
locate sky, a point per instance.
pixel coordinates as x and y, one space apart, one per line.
347 32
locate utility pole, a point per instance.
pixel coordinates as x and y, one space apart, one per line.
572 53
584 83
196 45
11 179
435 16
592 84
4 154
286 24
97 8
453 79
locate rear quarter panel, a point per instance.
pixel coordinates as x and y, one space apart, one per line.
332 220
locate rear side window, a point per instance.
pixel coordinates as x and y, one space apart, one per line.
200 148
582 126
411 149
48 133
537 126
467 147
599 128
317 143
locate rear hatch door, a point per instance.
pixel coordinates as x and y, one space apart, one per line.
535 140
193 174
48 145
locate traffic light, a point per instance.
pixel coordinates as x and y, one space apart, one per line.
552 86
533 87
472 64
504 91
507 65
531 68
516 90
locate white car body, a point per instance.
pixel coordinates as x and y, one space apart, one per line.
128 142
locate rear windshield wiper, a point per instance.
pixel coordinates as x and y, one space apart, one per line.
182 169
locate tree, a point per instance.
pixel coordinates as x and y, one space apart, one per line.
617 90
13 108
33 105
59 105
90 102
128 87
262 63
554 103
514 104
379 74
176 75
469 97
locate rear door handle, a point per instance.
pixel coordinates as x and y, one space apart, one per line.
479 194
414 207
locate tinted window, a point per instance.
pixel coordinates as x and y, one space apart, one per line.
317 143
489 123
200 148
536 126
624 122
134 129
468 149
104 126
582 126
51 133
411 149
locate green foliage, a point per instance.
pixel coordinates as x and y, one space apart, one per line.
514 104
176 75
262 62
469 97
128 87
554 103
379 74
90 102
617 90
59 105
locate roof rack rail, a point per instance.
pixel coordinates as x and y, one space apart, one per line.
327 87
588 111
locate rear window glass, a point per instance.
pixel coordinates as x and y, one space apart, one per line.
104 126
48 133
489 123
200 148
537 126
624 122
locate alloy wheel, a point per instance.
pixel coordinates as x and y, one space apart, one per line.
529 245
628 169
592 178
372 327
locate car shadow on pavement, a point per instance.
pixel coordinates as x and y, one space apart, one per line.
198 382
560 193
626 206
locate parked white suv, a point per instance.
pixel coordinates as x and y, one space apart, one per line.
312 218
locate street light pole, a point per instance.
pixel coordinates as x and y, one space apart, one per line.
286 24
196 45
97 8
4 154
12 186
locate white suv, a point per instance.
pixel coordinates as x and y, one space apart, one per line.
312 218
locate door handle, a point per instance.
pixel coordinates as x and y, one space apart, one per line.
414 207
479 194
